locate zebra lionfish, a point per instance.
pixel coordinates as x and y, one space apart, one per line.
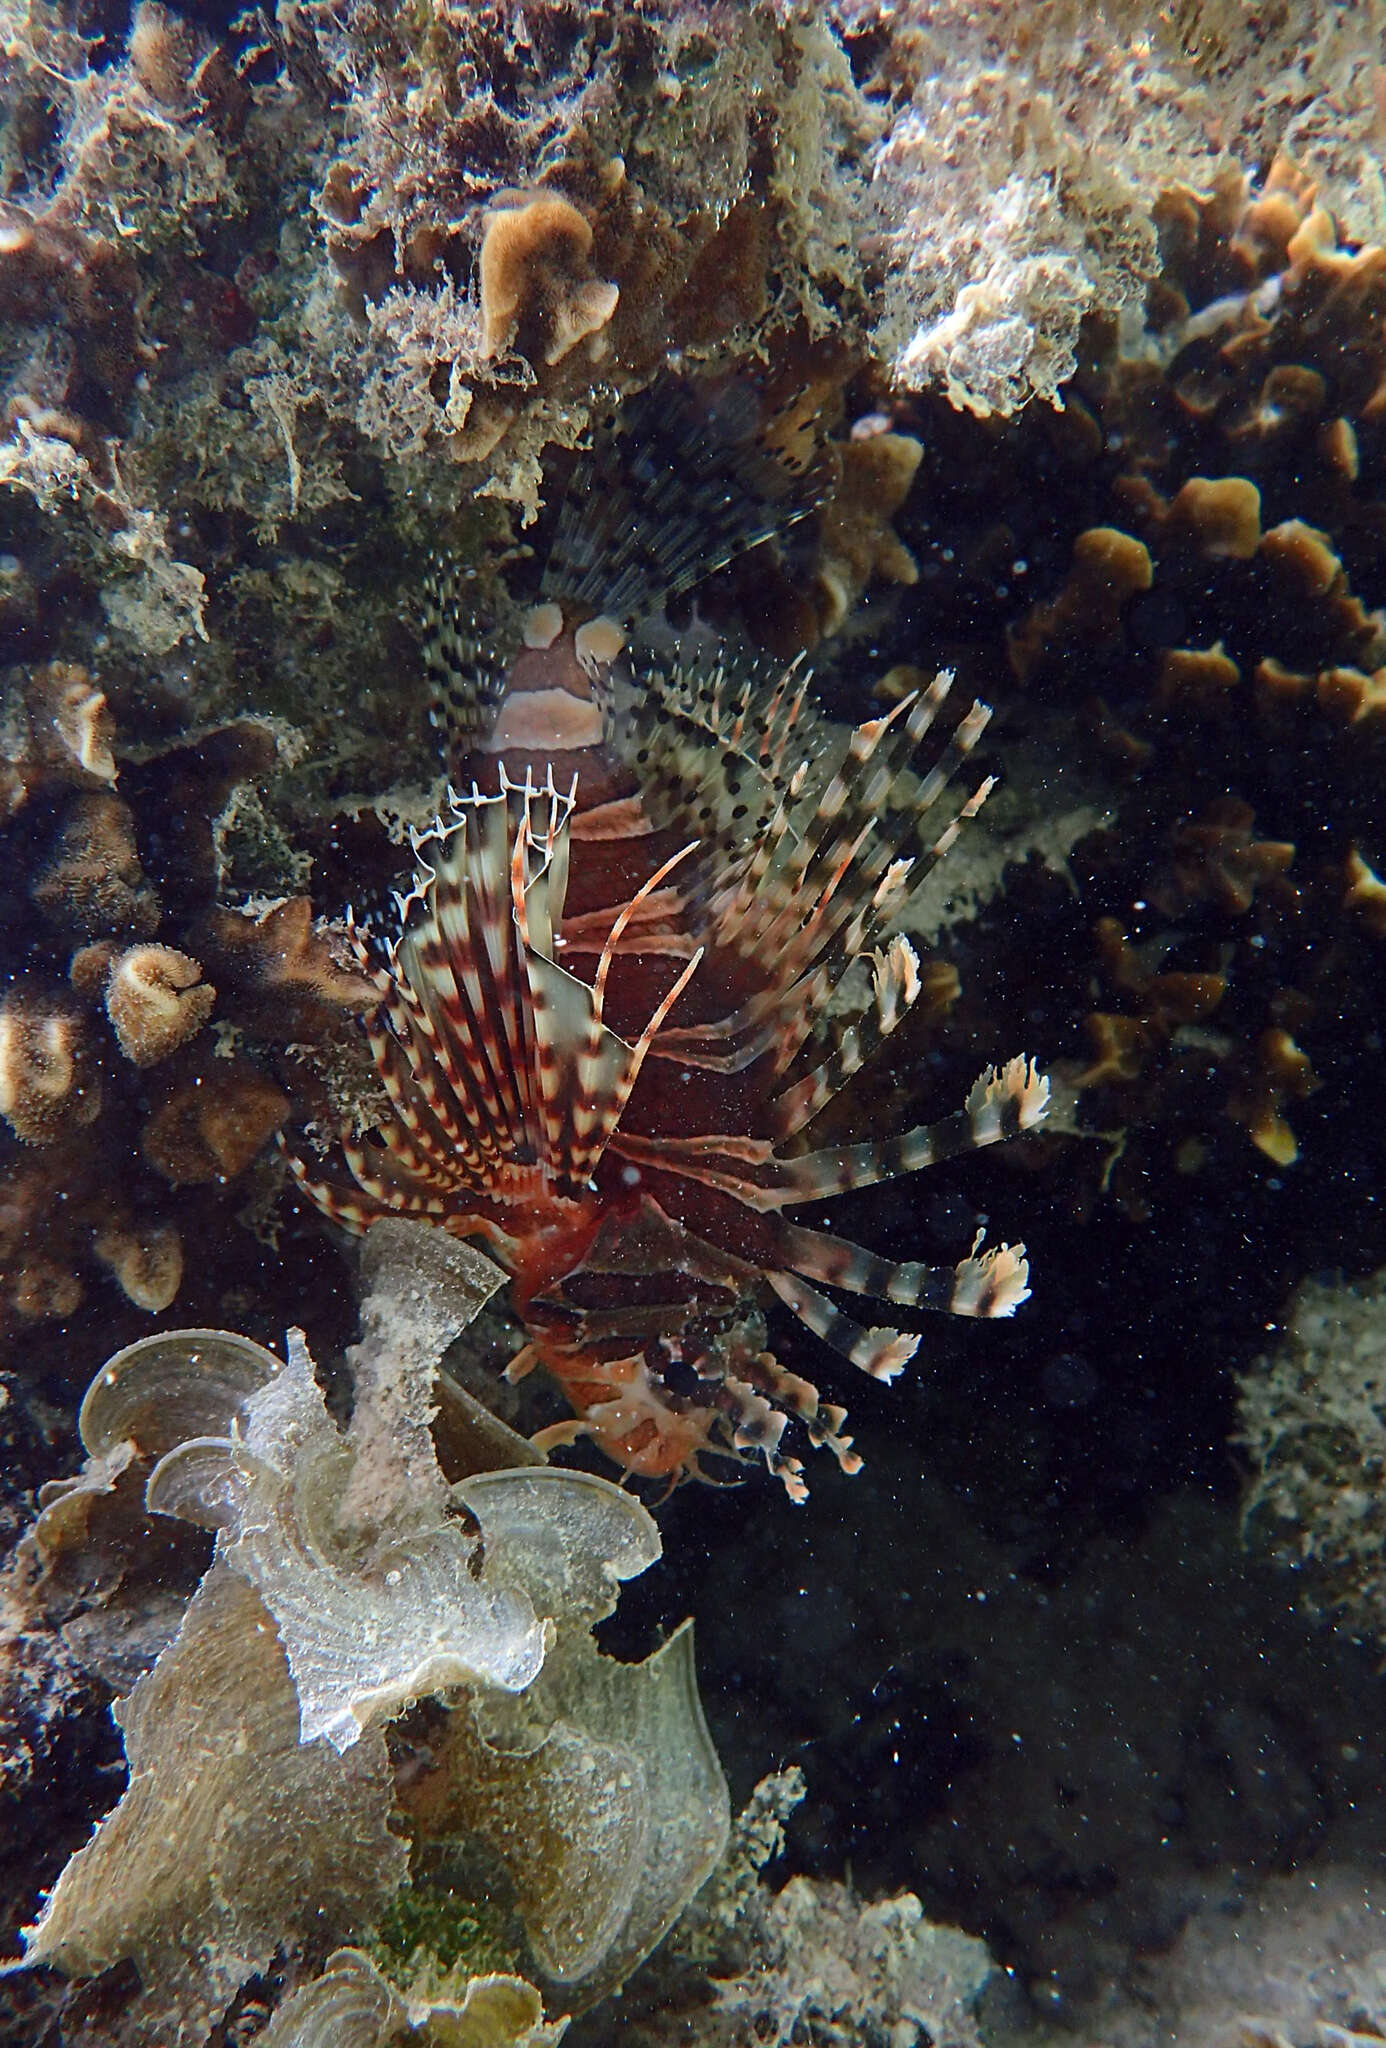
606 1017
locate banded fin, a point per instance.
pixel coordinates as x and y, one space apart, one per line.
467 677
504 1082
688 481
895 987
883 1353
1000 1106
822 880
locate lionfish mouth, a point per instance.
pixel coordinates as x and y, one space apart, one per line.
546 1111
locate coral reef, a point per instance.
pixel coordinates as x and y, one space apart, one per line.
1013 185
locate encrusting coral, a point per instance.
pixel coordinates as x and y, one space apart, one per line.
533 256
155 998
48 1084
1187 621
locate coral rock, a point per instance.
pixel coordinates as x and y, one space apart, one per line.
92 883
858 544
1365 893
1220 515
1277 1072
537 291
1204 678
1109 569
48 1087
155 999
54 729
1216 859
212 1126
163 55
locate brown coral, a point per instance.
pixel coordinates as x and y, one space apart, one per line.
147 1263
55 729
277 951
211 1125
1109 568
91 882
48 1083
156 998
1275 1071
73 731
55 277
538 294
857 543
74 1058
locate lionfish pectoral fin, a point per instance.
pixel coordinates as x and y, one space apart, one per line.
883 1353
584 1069
349 1209
1000 1105
895 988
991 1283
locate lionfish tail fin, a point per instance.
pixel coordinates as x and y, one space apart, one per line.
689 480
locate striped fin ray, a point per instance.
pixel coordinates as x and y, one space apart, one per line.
846 861
428 1147
584 1069
895 987
495 876
986 1284
440 1034
1000 1106
864 820
884 1353
709 742
687 482
391 1191
508 1049
840 814
438 967
418 1067
999 1277
348 1209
